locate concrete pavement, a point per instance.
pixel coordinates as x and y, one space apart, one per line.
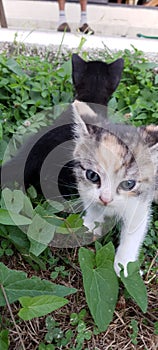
71 40
35 22
117 21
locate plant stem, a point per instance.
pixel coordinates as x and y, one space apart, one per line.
12 316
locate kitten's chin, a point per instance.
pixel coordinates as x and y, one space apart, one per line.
106 210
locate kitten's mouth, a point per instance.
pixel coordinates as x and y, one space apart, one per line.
105 201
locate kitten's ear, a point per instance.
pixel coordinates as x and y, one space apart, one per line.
149 134
115 72
82 114
78 68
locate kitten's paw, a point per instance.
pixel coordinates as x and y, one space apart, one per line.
117 268
97 231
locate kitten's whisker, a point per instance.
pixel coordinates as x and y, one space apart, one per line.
85 208
78 209
65 184
88 206
71 195
66 147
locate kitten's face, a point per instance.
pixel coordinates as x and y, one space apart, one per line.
111 172
109 176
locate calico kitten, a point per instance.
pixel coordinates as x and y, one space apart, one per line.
37 163
116 177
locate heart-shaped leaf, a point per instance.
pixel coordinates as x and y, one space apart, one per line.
13 219
100 283
39 306
16 284
135 285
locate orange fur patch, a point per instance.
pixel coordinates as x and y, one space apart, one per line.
152 127
106 154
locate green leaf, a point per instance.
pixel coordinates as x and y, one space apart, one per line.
39 306
100 283
54 207
71 224
11 218
42 346
135 285
156 79
27 207
12 200
112 105
146 65
74 221
3 146
105 253
156 328
32 192
36 248
66 69
14 67
19 239
4 341
82 42
16 285
40 234
1 132
134 326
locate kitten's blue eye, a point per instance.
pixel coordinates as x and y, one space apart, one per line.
127 185
92 176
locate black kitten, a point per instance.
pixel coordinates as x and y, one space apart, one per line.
95 81
44 161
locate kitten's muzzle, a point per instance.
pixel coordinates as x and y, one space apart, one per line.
105 201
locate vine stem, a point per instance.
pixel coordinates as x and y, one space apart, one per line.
150 267
12 316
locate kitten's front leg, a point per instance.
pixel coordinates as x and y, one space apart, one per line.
132 235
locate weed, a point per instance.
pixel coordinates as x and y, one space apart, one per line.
134 327
59 270
28 86
5 248
55 335
156 328
137 94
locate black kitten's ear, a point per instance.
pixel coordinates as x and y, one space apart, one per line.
78 68
115 72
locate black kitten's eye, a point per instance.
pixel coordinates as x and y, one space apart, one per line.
127 185
92 176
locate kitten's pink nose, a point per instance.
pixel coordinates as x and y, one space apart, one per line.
105 200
